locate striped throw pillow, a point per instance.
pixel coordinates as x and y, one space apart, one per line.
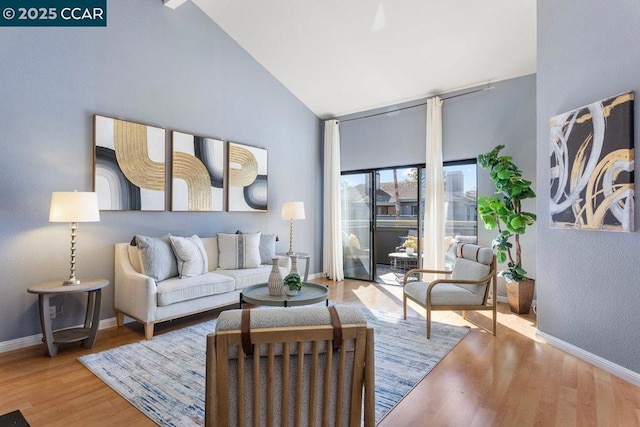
238 251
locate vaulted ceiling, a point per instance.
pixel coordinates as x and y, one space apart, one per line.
345 56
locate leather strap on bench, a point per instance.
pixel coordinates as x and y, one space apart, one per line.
245 332
337 328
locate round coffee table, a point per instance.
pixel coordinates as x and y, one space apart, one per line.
310 293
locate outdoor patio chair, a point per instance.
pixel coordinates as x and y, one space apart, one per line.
290 367
467 287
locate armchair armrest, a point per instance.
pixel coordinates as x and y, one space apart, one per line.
484 281
419 271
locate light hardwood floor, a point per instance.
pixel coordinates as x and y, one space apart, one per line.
508 380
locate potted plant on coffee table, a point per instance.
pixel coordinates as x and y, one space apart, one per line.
506 215
292 284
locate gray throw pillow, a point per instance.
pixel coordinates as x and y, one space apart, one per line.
156 257
238 251
190 254
267 248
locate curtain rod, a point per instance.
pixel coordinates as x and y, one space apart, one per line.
419 105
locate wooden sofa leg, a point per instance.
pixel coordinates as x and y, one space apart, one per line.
148 331
120 319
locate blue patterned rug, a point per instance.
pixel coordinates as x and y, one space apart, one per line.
164 377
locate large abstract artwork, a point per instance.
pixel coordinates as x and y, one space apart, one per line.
592 163
130 165
247 178
198 173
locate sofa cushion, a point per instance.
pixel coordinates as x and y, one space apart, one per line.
190 255
237 251
251 276
176 290
211 247
156 257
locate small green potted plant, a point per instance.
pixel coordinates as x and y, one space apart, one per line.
505 214
292 284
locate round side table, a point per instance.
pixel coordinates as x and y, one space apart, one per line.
86 334
300 255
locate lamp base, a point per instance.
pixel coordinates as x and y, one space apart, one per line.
71 282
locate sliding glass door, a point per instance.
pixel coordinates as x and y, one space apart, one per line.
357 230
383 215
397 241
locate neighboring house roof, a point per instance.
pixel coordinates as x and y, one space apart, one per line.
407 191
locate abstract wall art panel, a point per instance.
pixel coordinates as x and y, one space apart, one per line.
247 178
130 165
197 173
592 166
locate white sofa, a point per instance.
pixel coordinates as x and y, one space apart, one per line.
143 299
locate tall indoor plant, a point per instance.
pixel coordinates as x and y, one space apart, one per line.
505 214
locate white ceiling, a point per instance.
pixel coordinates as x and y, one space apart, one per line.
345 56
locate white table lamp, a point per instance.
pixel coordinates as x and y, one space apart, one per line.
292 211
74 207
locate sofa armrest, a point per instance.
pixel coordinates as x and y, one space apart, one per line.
134 294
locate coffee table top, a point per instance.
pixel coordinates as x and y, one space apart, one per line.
310 293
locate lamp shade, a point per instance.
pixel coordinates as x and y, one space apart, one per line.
293 210
74 206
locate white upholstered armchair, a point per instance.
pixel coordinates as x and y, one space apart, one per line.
466 287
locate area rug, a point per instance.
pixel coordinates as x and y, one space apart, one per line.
390 279
164 377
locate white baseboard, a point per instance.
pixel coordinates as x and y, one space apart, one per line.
32 340
604 364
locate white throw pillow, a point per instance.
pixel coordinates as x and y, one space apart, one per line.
190 254
238 251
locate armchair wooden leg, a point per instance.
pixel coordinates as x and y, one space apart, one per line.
404 307
495 319
428 324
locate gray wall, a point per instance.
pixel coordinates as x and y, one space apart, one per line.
171 68
588 289
472 124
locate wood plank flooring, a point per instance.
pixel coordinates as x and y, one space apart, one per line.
508 380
